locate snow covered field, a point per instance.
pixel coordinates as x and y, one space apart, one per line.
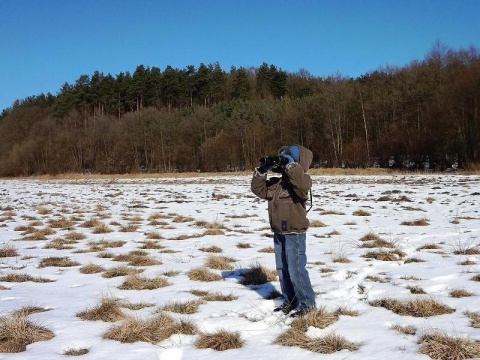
67 246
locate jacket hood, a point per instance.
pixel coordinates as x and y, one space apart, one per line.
306 157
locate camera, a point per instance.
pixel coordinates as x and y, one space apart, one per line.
273 161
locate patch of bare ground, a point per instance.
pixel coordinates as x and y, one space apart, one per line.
152 330
220 340
441 346
418 307
17 331
108 310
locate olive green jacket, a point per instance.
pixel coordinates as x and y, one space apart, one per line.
287 195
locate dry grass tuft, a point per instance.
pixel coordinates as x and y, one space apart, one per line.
75 352
429 247
317 223
8 251
319 318
203 274
405 329
243 245
385 255
57 261
91 269
74 235
459 293
417 222
151 245
361 212
143 261
269 250
135 282
220 340
258 275
101 229
440 346
220 262
216 296
152 330
416 307
23 278
211 249
61 223
16 332
475 317
108 310
475 278
186 307
327 344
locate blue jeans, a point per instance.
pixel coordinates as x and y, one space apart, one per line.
290 259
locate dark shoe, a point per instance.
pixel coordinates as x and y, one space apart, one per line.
301 312
285 308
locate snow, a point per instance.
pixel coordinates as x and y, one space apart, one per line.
449 202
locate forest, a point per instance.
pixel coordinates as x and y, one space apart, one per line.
422 116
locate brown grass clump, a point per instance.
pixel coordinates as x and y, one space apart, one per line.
74 235
129 228
418 222
91 269
415 307
405 329
319 318
203 274
475 317
186 307
135 282
216 296
440 346
459 293
152 330
108 310
8 251
269 250
385 255
182 219
220 340
16 332
211 249
61 223
258 275
416 290
210 225
57 261
23 278
220 262
154 235
151 245
91 223
429 247
28 310
243 245
361 213
75 352
473 250
327 344
101 229
143 261
317 223
475 278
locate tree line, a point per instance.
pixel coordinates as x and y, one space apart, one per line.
420 116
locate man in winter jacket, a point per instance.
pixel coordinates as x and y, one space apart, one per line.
287 196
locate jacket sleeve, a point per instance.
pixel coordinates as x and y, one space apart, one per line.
301 182
259 185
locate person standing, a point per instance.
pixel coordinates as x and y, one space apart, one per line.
287 196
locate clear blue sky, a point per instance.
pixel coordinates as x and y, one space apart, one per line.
46 43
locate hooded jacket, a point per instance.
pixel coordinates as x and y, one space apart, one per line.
287 195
